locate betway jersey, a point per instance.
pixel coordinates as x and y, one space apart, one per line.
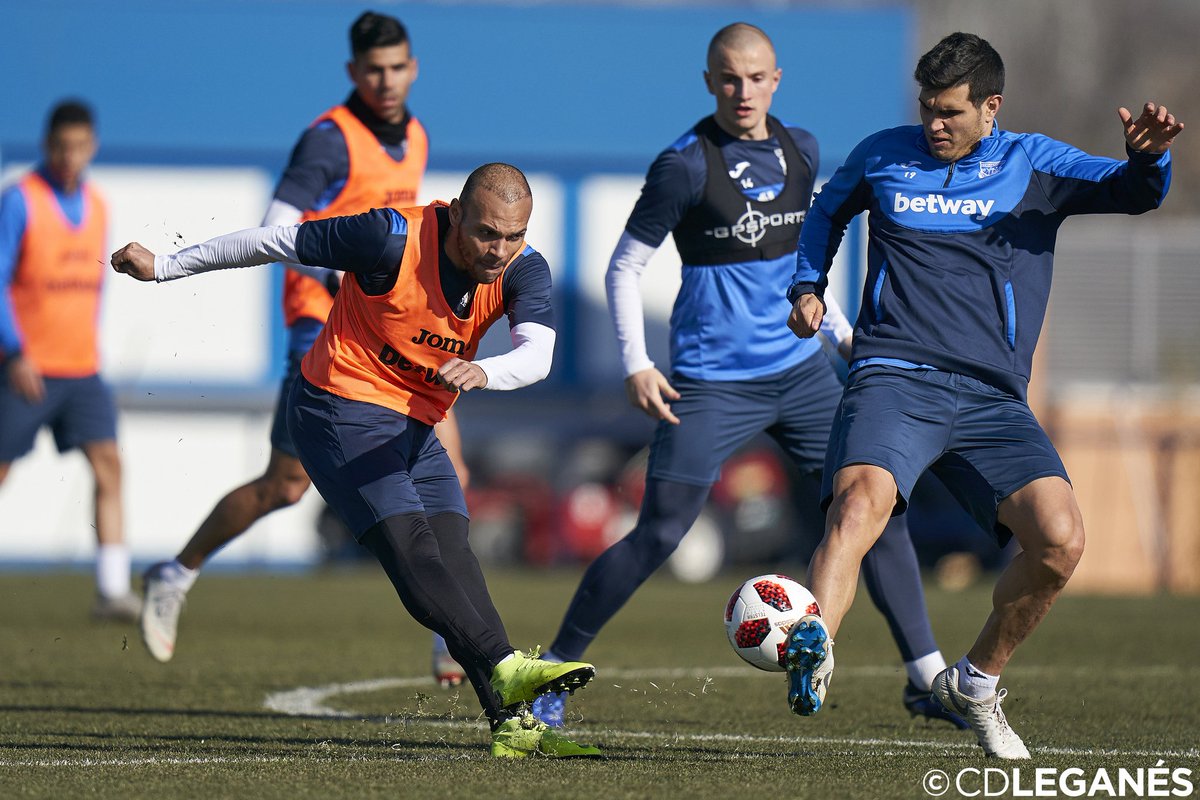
960 255
728 323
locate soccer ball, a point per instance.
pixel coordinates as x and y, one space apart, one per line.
759 615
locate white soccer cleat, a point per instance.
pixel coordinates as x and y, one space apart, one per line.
996 738
162 605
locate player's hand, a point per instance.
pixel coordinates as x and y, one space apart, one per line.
646 390
135 261
806 316
462 376
26 381
1152 132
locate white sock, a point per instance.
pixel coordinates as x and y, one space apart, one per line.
112 570
513 654
974 682
553 657
179 575
922 671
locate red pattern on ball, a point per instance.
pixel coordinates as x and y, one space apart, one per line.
752 632
773 595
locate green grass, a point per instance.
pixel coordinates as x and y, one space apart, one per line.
84 712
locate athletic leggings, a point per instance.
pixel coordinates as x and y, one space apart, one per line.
440 583
668 510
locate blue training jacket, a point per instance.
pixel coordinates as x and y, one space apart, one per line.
960 255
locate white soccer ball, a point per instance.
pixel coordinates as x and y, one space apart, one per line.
759 615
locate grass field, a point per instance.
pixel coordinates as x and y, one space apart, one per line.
317 686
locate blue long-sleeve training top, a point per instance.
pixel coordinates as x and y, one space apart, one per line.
960 255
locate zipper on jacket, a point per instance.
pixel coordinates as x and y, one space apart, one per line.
1010 321
949 174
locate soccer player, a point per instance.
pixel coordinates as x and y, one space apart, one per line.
368 152
396 352
733 191
963 218
53 224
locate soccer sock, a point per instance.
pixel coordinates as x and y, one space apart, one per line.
112 570
974 682
550 655
923 670
178 575
439 644
893 578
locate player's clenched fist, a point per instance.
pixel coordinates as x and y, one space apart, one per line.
134 260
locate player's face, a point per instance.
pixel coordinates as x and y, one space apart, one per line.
743 80
953 124
69 150
383 76
488 233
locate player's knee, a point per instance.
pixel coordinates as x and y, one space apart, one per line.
654 543
857 516
1061 547
283 491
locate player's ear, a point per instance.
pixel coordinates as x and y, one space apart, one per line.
708 83
991 106
455 212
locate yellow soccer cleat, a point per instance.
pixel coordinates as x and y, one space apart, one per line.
522 678
522 736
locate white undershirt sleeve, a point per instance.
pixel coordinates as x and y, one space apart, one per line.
528 362
834 326
622 281
281 213
248 248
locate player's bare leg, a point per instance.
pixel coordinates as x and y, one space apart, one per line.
166 584
1044 517
863 497
114 600
282 484
1045 520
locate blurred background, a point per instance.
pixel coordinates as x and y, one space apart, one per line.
199 104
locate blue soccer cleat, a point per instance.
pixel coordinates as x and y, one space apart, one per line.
550 709
809 662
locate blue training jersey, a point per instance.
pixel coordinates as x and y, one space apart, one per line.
729 321
960 254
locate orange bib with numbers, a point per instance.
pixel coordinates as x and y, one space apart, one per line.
376 180
56 285
387 349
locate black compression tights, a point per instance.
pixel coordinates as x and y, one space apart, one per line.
438 578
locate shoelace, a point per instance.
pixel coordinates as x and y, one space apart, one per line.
1001 720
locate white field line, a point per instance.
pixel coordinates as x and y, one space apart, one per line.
309 702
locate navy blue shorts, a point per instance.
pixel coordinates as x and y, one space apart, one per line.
78 410
794 407
280 438
369 462
981 442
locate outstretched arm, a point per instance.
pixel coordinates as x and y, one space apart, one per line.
1153 132
247 248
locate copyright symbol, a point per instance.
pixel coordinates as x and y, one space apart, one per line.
936 783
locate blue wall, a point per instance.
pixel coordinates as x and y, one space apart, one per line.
567 90
579 88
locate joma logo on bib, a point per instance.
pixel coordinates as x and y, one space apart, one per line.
936 204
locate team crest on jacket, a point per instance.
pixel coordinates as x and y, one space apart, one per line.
989 168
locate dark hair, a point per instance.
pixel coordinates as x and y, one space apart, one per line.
69 112
375 30
962 58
